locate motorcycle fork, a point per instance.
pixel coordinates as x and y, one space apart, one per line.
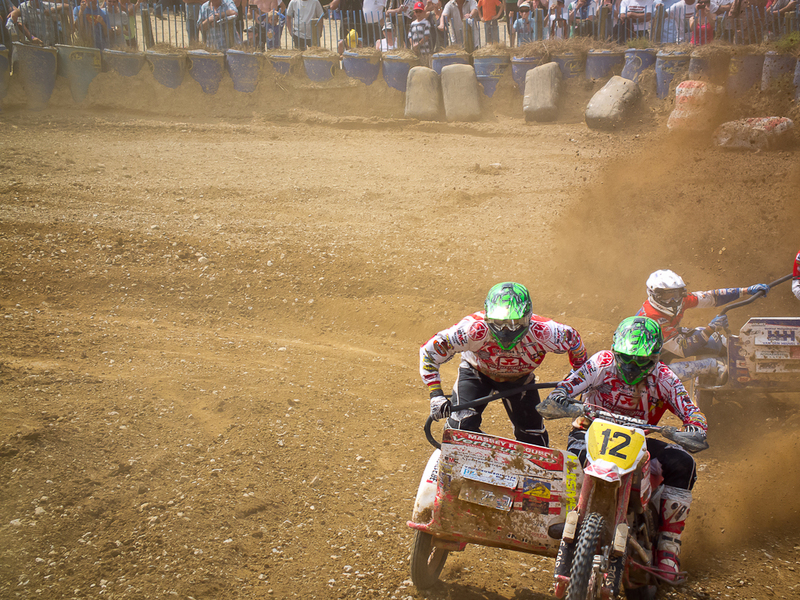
566 548
616 563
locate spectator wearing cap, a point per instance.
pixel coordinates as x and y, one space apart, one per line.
454 14
490 14
419 34
523 25
388 41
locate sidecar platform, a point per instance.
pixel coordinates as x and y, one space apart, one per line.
491 491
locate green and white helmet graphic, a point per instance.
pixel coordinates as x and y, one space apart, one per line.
637 346
508 310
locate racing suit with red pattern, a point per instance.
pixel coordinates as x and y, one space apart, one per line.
796 276
486 368
648 400
681 342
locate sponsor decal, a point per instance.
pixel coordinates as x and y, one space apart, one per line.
541 330
442 346
461 337
605 359
478 331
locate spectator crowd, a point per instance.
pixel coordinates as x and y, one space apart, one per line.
423 26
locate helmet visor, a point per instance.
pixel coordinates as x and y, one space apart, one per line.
632 369
508 332
508 324
671 298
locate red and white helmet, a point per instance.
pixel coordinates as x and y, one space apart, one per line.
666 291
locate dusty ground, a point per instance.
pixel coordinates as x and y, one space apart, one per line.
208 353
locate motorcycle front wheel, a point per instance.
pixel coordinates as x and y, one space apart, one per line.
585 549
427 561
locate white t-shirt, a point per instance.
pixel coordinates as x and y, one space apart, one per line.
637 7
302 12
373 10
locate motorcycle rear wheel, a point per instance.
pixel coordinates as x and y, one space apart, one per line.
583 559
427 561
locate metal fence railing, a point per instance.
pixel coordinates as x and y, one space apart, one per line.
141 26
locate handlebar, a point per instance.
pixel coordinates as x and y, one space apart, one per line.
486 400
756 296
690 441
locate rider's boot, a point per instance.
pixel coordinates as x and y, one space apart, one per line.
675 504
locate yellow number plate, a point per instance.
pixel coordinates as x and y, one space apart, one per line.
614 443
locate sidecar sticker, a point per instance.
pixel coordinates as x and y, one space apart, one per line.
536 489
484 497
491 477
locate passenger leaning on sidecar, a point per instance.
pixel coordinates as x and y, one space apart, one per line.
630 380
796 276
500 348
667 300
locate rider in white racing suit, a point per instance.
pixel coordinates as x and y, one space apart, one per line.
667 301
630 380
500 349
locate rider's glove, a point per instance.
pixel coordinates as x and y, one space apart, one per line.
560 397
719 323
759 287
693 429
440 407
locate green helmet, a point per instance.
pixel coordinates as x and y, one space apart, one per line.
508 313
637 346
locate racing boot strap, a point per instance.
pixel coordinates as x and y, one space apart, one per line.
675 503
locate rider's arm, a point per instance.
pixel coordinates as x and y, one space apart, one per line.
583 378
688 344
671 390
442 347
560 338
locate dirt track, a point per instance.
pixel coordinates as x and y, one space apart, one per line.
208 377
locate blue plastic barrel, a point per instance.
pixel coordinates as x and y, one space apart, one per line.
36 67
777 67
668 66
206 68
571 64
80 66
4 71
395 70
520 65
489 70
637 61
745 72
710 67
442 59
320 68
167 69
244 68
365 68
127 64
284 64
601 64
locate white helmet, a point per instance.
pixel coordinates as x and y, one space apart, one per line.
666 291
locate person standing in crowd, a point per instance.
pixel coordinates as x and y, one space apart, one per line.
501 347
300 16
702 24
215 21
454 14
400 10
91 23
38 22
558 20
489 13
419 34
373 20
677 14
523 26
119 23
388 41
634 18
796 276
580 14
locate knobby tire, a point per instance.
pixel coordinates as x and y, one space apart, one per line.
427 561
585 549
